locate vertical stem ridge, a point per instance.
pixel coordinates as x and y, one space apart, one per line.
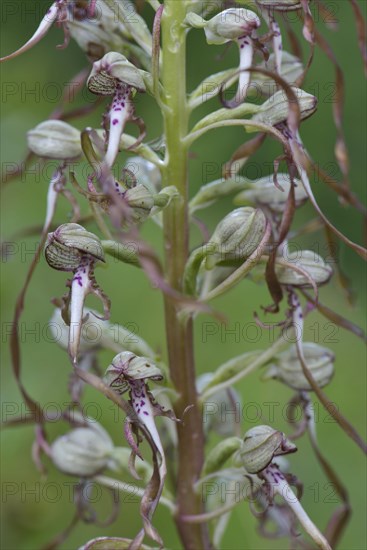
176 234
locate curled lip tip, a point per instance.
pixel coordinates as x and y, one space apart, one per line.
46 23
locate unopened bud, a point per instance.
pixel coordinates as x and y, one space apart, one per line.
54 139
127 367
69 244
83 452
276 109
146 173
112 70
260 445
231 24
306 264
288 369
141 202
236 237
263 192
291 69
220 454
221 408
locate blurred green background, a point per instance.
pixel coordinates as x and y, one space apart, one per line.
35 508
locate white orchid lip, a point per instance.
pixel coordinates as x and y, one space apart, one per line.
120 112
73 249
115 75
238 25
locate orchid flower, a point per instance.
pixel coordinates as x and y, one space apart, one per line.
115 76
129 372
261 447
237 25
72 248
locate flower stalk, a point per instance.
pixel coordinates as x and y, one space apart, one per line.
175 224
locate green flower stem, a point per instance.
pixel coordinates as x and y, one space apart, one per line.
258 362
226 473
131 490
214 514
98 218
176 232
244 122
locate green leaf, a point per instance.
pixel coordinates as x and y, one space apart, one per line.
226 114
220 454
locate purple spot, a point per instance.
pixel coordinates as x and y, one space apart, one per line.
145 412
115 121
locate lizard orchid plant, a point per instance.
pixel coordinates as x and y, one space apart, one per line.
125 57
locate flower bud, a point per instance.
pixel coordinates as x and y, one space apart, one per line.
280 5
83 452
224 450
236 237
260 445
141 201
276 109
307 261
264 192
69 244
288 369
54 139
127 367
146 173
220 409
111 70
231 24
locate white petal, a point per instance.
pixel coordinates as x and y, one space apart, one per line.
80 288
119 114
246 56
